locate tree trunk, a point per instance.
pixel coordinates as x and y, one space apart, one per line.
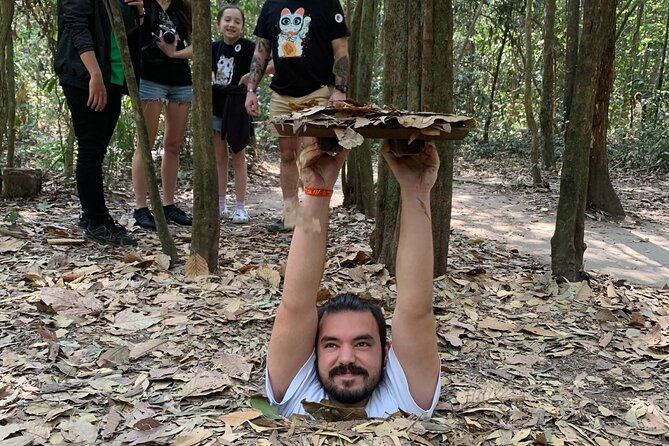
358 180
601 195
166 240
633 62
571 54
663 59
7 83
441 101
527 98
547 113
395 37
470 33
495 76
567 243
205 181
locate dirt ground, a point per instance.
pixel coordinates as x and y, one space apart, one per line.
494 202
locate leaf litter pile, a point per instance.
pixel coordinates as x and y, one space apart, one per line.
108 346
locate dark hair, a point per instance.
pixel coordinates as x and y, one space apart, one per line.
351 302
230 6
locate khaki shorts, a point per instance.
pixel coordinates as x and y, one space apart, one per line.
278 104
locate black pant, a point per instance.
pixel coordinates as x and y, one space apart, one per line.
93 131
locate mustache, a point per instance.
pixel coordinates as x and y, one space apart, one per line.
344 369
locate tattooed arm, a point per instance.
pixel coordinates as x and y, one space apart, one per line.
261 58
340 68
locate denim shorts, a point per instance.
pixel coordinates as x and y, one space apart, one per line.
153 91
217 123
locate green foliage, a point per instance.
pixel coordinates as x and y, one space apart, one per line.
42 117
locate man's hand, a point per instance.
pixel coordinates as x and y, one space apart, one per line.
251 104
318 169
415 173
97 93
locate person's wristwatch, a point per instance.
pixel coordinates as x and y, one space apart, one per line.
342 87
252 90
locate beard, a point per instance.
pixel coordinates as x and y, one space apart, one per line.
344 395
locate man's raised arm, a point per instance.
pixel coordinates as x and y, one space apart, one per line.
261 57
414 335
294 332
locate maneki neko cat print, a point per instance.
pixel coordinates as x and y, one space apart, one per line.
294 28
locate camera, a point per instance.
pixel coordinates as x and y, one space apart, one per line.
169 36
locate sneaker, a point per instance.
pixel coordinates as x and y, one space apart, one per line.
278 226
240 216
173 213
144 218
109 233
224 214
83 221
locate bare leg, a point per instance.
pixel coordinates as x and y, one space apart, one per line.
241 176
289 174
221 148
152 111
176 117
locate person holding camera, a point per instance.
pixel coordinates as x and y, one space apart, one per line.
165 84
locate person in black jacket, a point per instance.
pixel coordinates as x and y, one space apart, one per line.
88 65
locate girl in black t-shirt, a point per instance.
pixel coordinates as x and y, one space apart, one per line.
231 62
165 83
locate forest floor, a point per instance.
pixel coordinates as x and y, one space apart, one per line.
109 346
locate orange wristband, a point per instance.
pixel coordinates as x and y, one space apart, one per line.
314 192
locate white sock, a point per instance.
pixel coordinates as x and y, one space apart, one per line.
221 204
239 205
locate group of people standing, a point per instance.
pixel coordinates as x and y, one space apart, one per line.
89 66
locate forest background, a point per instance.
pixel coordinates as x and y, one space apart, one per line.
501 62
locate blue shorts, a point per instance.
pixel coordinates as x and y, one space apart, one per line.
217 123
153 91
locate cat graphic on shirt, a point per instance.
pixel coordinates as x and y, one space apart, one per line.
224 69
294 28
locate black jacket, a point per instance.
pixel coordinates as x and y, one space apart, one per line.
83 25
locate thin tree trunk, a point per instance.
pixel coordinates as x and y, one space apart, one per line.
547 113
442 65
205 181
470 33
11 99
567 243
633 62
395 37
601 195
528 102
358 179
663 59
571 54
166 240
7 83
495 76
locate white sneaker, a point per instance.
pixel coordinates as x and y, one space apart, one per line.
240 216
224 214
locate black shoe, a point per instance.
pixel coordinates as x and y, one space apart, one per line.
144 218
109 233
173 213
83 221
278 226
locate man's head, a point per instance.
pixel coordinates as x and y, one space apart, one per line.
351 348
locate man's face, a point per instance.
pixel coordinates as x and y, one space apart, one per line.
350 356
